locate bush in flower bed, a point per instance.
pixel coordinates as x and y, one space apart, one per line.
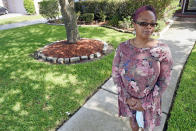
122 8
125 23
100 16
114 21
108 8
118 12
87 17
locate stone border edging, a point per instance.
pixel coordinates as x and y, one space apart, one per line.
39 55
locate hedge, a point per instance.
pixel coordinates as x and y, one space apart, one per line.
87 17
49 9
120 8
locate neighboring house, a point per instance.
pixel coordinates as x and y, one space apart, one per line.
3 3
13 6
188 9
188 6
17 6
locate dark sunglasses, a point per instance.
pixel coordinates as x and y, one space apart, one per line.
146 24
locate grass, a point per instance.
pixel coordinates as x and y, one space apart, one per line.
36 95
19 19
183 113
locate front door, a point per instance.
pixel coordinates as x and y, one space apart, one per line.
190 6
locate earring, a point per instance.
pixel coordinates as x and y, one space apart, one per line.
134 31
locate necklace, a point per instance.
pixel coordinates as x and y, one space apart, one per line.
141 47
135 44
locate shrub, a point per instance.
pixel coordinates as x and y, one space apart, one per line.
100 16
110 9
160 26
126 23
29 6
107 8
87 17
49 9
114 21
121 8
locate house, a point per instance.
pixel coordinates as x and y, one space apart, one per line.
188 8
17 6
13 6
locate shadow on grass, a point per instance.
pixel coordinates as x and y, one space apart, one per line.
36 95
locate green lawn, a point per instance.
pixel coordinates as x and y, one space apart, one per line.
183 113
19 19
36 95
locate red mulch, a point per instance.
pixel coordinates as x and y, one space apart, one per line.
83 47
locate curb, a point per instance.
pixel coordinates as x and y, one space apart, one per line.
171 21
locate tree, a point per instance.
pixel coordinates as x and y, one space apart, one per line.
70 20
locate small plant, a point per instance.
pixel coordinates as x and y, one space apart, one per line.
78 14
126 23
114 21
29 6
160 26
87 17
101 16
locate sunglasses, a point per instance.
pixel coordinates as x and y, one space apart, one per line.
146 24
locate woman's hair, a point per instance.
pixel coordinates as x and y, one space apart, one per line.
141 9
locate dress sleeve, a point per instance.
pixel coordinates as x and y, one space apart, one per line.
122 93
166 65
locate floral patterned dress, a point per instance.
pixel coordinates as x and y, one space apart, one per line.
142 73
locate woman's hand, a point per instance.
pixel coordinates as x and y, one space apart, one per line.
135 104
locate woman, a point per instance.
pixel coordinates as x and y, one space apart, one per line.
142 70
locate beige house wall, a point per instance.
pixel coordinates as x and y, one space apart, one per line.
16 6
36 6
3 3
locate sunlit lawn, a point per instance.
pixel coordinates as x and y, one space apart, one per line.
36 95
183 114
19 19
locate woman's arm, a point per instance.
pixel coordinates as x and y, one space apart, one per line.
165 71
122 93
135 104
166 63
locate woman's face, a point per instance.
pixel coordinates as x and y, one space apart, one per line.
145 31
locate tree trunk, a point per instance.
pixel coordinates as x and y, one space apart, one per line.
70 20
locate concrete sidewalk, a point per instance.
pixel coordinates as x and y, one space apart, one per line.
21 24
100 112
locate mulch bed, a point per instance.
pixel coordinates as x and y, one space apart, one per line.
83 47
